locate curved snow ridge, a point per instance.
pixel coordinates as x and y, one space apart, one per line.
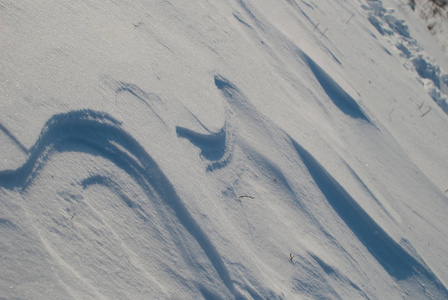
392 257
239 106
337 275
59 129
101 134
335 92
144 97
228 89
385 207
338 96
213 145
137 92
115 188
217 147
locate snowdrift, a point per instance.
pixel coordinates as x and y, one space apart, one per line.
222 150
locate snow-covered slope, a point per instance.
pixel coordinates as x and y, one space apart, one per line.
435 15
241 149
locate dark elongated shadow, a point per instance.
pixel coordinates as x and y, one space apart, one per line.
394 259
104 136
14 139
336 93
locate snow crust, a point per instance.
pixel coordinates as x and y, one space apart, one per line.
233 149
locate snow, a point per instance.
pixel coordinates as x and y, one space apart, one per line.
434 14
163 150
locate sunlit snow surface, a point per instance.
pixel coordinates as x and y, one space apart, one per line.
222 150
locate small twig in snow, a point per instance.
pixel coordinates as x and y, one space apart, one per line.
392 110
73 216
424 114
353 14
245 196
323 33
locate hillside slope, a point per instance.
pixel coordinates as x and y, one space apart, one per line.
222 150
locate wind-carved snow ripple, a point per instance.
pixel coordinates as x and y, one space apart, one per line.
336 93
103 135
141 95
394 259
238 102
116 189
215 147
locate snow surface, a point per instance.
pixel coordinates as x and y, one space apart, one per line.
241 149
435 15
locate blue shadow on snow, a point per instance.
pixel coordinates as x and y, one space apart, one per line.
394 259
102 135
337 95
